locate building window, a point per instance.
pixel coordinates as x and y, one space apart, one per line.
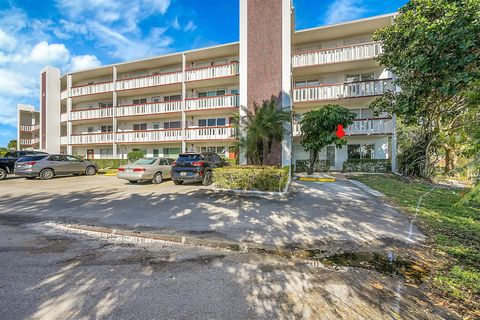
360 77
156 99
106 153
156 126
155 153
202 122
172 125
360 151
212 122
90 129
175 97
215 93
234 91
171 152
106 129
140 101
140 127
306 83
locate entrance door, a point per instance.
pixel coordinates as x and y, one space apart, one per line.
331 156
90 154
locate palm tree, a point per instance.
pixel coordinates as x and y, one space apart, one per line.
264 126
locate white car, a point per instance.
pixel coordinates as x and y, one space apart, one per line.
154 169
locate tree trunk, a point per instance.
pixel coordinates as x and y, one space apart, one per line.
313 159
450 159
265 152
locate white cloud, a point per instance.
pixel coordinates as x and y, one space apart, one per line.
190 26
45 53
344 10
84 62
7 43
176 24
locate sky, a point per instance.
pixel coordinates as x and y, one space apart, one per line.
79 34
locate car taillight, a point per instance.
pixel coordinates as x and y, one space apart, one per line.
30 163
121 169
198 163
138 169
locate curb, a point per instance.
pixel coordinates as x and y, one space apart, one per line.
317 179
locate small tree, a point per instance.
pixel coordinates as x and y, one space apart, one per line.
318 128
12 144
135 155
264 126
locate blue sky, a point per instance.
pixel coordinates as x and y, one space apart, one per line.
78 34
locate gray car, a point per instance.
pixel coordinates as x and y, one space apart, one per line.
154 169
48 166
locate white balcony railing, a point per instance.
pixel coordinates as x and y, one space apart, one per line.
149 81
149 136
224 70
63 117
335 55
210 133
94 88
91 138
149 108
225 101
64 94
342 91
94 113
63 140
29 142
361 127
29 128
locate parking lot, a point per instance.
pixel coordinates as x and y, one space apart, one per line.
313 214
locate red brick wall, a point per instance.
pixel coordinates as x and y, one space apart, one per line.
265 56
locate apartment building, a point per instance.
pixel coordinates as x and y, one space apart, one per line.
28 128
186 101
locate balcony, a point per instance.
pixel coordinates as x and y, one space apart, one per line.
336 55
95 113
342 91
149 136
63 140
90 138
218 102
63 117
211 133
361 127
94 88
64 94
149 81
148 108
29 142
219 71
29 128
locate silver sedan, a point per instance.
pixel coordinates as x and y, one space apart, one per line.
154 169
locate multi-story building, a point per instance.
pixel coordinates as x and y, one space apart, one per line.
186 101
28 128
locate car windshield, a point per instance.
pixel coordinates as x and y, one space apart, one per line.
31 158
190 157
145 161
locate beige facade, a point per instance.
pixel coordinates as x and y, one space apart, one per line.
185 101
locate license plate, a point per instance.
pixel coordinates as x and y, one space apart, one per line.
183 174
128 170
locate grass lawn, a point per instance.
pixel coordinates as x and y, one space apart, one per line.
454 232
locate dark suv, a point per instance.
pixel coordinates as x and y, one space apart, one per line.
196 167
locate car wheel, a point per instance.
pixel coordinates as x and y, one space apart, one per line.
90 171
157 178
133 181
46 174
178 182
3 174
207 178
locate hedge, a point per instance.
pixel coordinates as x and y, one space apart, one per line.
367 165
320 165
110 163
252 178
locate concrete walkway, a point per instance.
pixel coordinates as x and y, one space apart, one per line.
315 214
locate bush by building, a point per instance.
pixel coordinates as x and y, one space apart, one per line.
367 165
135 155
252 178
320 165
110 163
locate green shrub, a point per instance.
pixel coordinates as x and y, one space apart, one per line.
135 155
320 165
231 162
255 178
110 163
367 165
